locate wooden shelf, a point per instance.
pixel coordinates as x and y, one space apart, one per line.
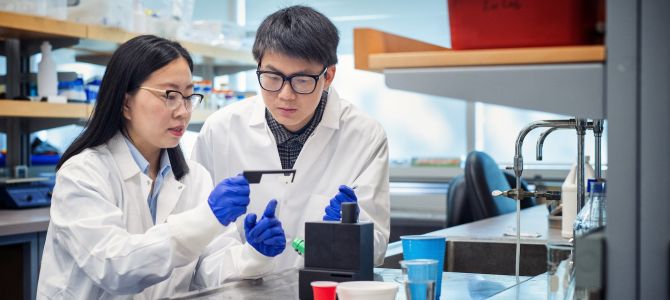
520 56
28 109
108 34
562 80
97 43
91 43
377 50
370 41
13 25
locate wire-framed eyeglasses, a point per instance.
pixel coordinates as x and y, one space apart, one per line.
174 98
272 81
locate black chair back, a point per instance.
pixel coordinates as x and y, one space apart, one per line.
458 207
469 196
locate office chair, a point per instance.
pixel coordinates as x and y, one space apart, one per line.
458 207
469 196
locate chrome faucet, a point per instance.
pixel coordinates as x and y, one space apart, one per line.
518 170
598 133
597 126
578 124
540 142
518 156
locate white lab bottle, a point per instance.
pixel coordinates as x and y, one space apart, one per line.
47 80
569 197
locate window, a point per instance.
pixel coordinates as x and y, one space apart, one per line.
497 128
417 125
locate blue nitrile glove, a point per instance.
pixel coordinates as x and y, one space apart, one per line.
229 199
266 236
333 213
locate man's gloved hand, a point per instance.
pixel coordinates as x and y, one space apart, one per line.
266 236
229 199
346 194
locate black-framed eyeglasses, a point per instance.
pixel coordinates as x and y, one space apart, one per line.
272 81
174 98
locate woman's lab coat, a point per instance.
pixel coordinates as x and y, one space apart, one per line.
102 244
347 147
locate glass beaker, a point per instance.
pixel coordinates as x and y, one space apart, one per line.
559 269
419 277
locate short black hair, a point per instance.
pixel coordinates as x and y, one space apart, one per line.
131 64
300 32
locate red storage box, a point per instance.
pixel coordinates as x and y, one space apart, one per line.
479 24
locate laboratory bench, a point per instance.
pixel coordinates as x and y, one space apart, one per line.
482 247
488 246
22 221
285 286
533 288
22 235
466 250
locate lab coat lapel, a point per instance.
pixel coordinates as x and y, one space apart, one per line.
259 126
168 197
127 166
318 141
138 184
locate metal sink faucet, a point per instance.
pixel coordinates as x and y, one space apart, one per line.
578 124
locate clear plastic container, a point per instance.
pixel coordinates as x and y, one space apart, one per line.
569 197
559 269
47 77
57 9
31 7
593 213
117 14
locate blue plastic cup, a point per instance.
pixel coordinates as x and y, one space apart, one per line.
426 247
419 277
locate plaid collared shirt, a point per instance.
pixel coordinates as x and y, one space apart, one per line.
289 144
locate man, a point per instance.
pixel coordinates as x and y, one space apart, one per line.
299 122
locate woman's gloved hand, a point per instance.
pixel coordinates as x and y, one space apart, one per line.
229 199
266 236
346 194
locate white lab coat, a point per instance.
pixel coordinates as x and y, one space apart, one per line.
102 244
347 147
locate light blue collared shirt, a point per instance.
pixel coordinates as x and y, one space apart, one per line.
165 167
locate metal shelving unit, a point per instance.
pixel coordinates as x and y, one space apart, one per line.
20 37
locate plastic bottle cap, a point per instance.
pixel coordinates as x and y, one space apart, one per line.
589 182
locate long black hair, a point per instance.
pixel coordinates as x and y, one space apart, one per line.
131 64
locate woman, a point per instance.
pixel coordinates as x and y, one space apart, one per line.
129 215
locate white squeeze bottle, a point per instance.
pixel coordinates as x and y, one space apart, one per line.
47 80
569 197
